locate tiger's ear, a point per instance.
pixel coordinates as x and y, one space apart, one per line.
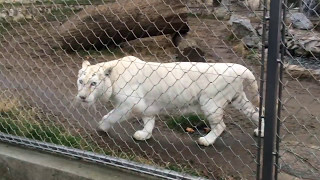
108 71
85 64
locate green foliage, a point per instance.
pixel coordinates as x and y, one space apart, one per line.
21 121
13 123
232 38
185 169
180 123
253 57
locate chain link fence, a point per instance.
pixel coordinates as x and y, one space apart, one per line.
298 124
133 84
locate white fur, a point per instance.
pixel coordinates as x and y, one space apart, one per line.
146 89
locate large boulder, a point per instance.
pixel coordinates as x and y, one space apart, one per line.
252 41
300 21
241 26
297 71
243 29
303 43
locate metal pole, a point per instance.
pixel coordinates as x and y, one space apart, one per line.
261 88
283 50
271 89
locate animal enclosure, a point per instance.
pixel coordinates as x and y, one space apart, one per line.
44 44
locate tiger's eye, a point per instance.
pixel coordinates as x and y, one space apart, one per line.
80 81
93 84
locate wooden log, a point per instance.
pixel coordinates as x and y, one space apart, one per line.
121 21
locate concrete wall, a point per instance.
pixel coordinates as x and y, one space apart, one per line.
19 163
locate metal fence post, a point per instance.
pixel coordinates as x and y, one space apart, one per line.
271 89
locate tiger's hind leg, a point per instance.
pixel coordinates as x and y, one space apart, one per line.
242 103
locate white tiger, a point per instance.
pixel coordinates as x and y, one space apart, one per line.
146 89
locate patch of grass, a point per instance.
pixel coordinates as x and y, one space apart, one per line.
21 121
193 15
7 105
183 169
232 38
180 123
16 123
26 122
240 49
253 57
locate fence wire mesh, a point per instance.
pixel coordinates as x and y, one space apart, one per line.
298 124
70 68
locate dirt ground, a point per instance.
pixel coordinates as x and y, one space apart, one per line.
34 68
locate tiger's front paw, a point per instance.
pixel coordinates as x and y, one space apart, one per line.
256 133
205 141
142 135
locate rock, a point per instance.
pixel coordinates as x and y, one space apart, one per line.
300 21
303 43
242 26
222 13
234 17
297 71
259 29
252 41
